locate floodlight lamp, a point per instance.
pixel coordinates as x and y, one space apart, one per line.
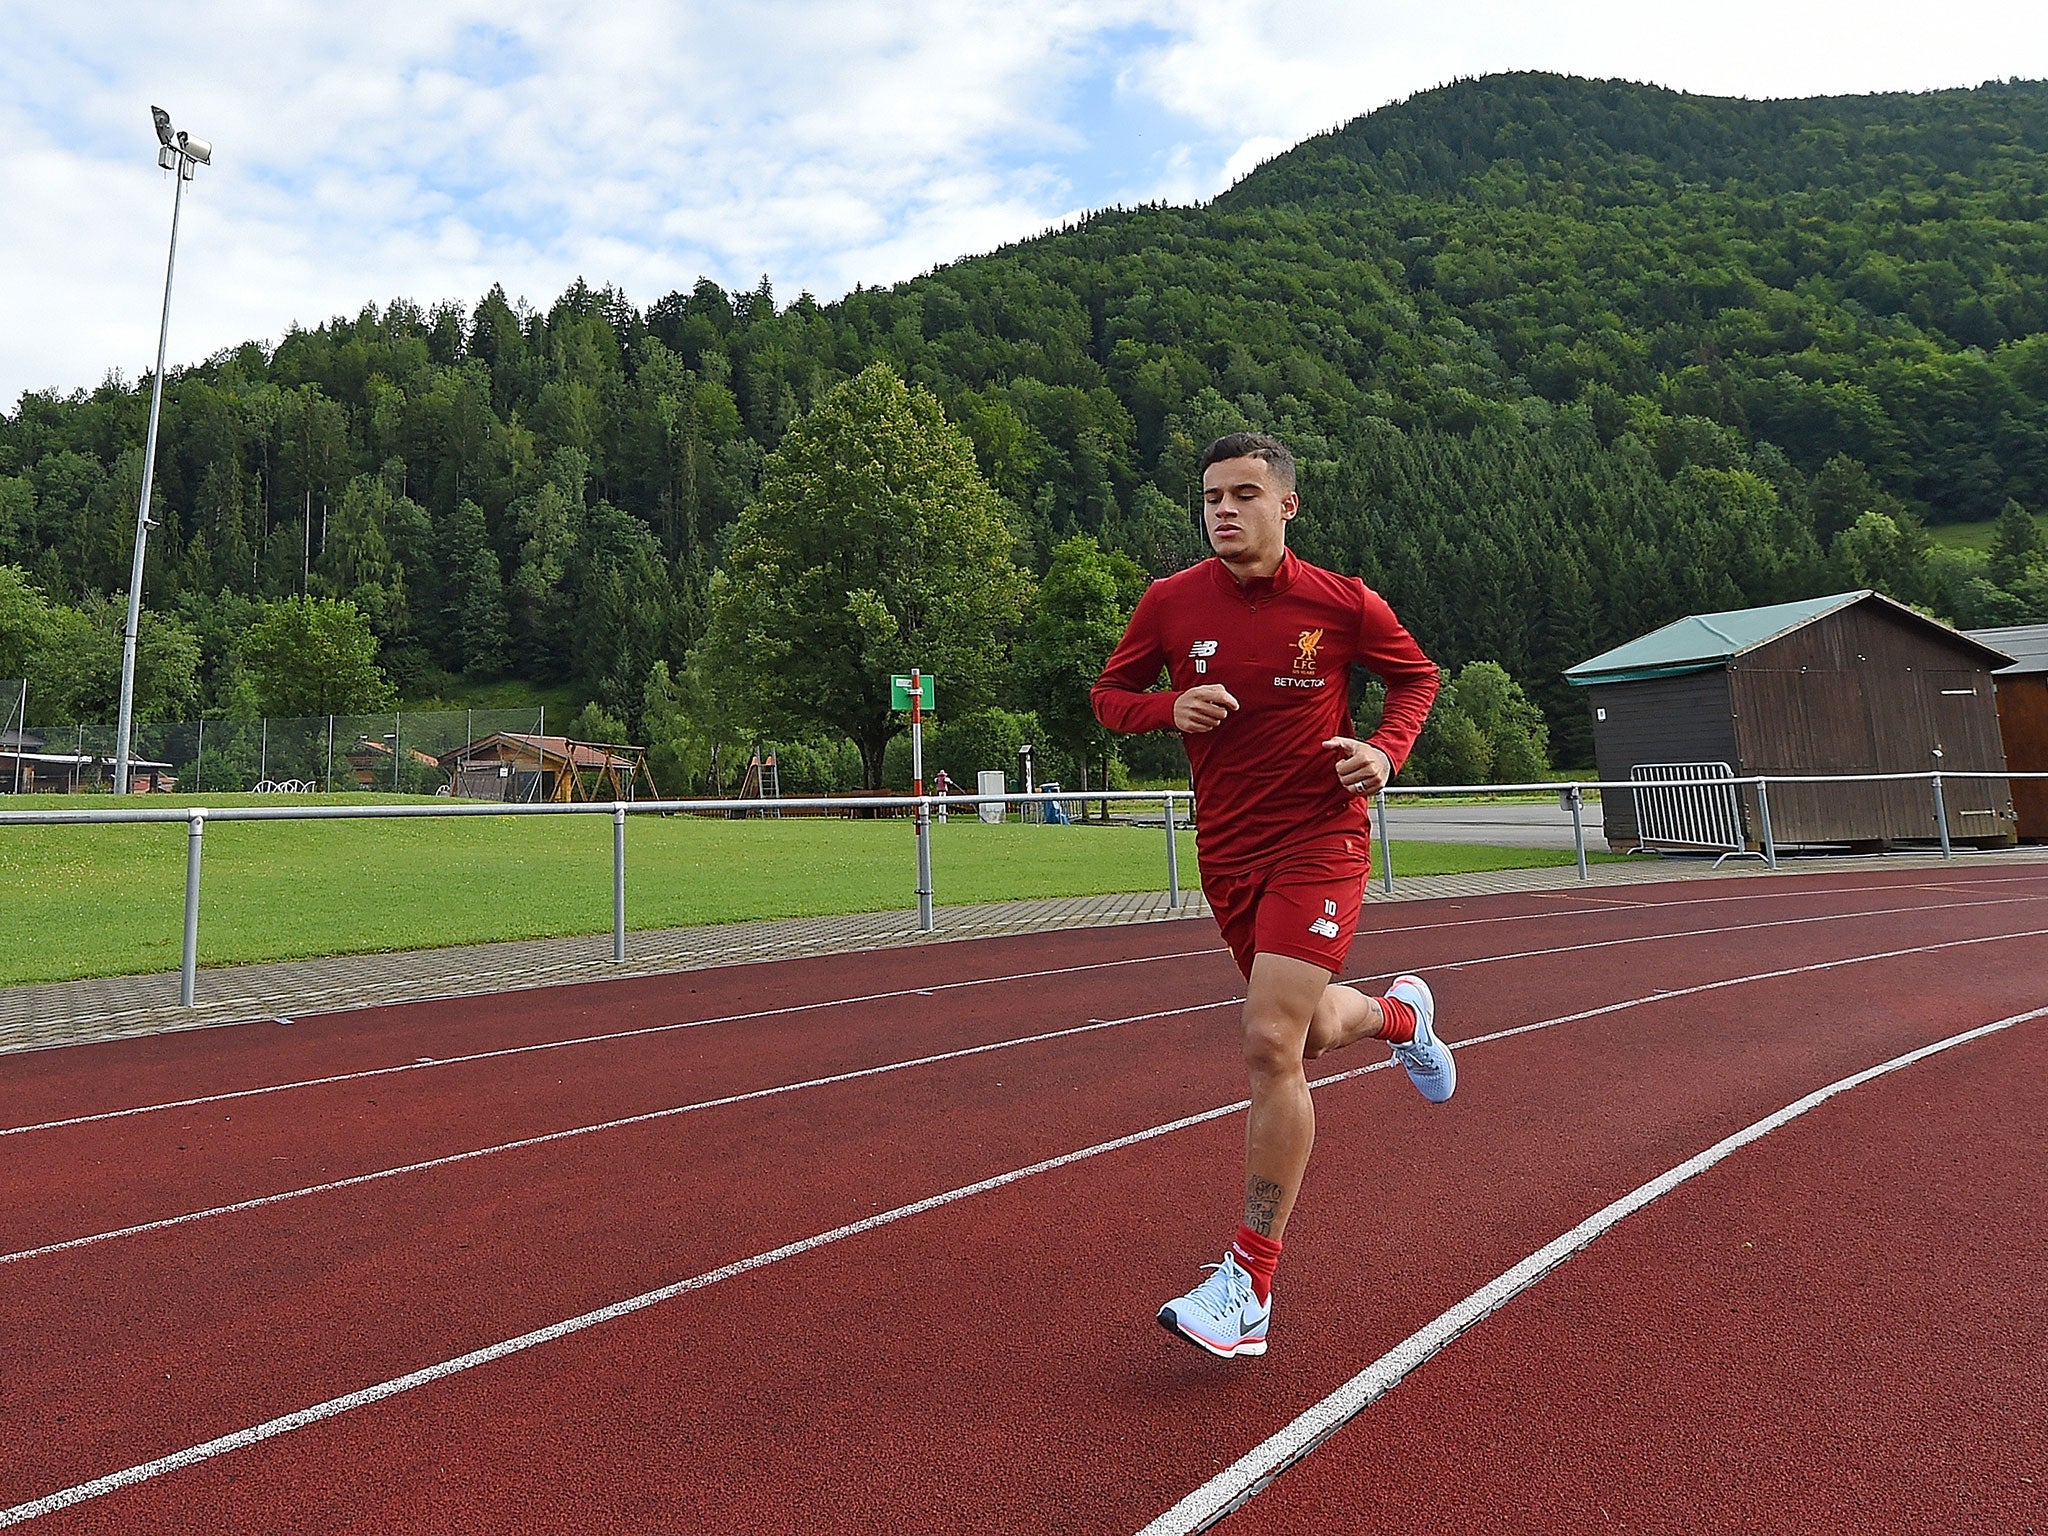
195 149
163 125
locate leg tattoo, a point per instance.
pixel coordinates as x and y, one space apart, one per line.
1261 1204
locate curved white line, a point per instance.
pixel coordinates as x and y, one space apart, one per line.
1253 1472
258 1202
599 1039
336 1406
950 986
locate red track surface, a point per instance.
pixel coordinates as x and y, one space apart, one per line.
1837 1328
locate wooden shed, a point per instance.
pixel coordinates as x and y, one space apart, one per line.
2023 719
1854 683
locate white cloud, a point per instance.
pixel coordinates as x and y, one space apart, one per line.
428 149
1255 74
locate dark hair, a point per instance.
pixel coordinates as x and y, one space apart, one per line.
1252 445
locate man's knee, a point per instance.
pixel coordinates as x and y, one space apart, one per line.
1272 1045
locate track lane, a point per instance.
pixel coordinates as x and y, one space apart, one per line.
168 1071
84 1178
1841 1337
189 1183
1205 1205
162 1072
109 1175
653 1429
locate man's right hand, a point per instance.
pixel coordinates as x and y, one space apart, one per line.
1202 709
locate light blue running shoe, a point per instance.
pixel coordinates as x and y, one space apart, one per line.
1223 1314
1426 1059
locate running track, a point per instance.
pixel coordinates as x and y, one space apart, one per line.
873 1242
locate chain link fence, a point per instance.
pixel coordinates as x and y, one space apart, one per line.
397 753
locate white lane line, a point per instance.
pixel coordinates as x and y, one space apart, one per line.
336 1406
1589 906
1698 933
453 1158
258 1202
449 1160
1238 1483
424 1062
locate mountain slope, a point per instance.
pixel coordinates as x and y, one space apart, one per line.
1563 358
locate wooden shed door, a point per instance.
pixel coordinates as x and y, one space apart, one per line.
1965 714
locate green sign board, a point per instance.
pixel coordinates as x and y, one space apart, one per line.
927 689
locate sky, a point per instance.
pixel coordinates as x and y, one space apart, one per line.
425 149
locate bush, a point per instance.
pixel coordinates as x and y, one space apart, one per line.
825 766
987 739
1518 742
1482 730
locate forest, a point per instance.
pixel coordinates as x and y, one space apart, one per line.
1562 360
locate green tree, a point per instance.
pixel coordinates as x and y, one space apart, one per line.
313 656
874 545
1451 749
1517 741
17 517
596 723
475 615
1885 554
1079 615
971 744
683 729
24 622
2015 545
71 657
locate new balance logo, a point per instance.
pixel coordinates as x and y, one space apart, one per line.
1324 927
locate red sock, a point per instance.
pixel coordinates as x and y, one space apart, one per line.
1397 1021
1258 1256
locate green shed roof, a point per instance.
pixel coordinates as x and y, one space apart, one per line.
1708 640
1702 641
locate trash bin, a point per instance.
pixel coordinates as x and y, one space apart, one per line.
990 781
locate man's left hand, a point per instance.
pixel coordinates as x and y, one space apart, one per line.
1362 767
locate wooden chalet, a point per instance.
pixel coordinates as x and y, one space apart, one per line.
516 766
28 766
2023 718
1854 683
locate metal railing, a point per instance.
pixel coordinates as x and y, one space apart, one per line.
1571 796
1673 810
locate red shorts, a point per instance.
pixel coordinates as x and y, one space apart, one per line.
1303 904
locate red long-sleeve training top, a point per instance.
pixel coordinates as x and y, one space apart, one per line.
1284 646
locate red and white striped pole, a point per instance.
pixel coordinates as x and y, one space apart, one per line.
924 825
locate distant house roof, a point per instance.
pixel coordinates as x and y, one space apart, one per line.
1703 641
369 746
548 751
2027 644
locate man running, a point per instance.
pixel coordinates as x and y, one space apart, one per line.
1259 646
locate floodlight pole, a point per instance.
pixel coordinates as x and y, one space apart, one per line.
175 160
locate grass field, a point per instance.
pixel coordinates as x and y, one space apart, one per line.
109 900
1975 536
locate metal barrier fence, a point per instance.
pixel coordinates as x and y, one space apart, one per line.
1688 807
1571 796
